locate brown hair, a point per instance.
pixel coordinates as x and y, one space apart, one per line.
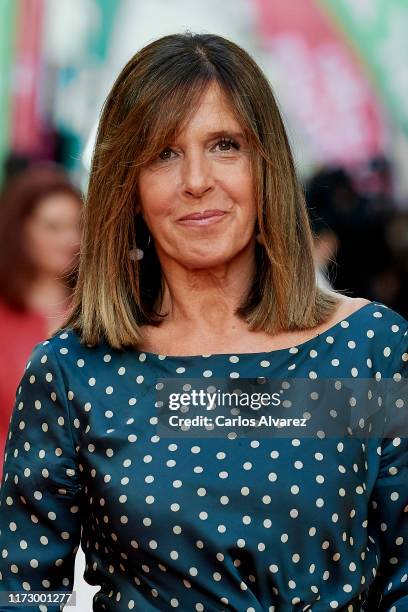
153 97
18 200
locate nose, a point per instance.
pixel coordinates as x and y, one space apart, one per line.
197 177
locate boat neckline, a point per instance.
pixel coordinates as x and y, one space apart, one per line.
289 349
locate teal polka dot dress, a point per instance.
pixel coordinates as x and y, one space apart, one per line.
210 524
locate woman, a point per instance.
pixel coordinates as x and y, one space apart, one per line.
197 262
39 234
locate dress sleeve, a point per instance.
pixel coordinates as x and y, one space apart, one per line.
389 502
40 494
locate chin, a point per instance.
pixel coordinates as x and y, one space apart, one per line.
203 261
58 270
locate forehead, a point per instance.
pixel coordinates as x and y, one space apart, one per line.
55 204
212 110
192 111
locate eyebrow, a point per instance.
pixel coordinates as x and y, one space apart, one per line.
220 133
226 133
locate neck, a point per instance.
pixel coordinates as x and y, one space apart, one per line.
206 298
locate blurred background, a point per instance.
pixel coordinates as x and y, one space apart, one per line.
339 69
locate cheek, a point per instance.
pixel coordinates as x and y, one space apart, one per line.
239 182
157 198
242 195
40 245
152 183
246 183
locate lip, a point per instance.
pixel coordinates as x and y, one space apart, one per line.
200 222
204 214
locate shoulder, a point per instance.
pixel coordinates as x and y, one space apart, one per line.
347 305
73 358
67 342
385 322
62 351
386 331
382 317
380 333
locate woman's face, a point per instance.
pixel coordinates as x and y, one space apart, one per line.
207 168
52 234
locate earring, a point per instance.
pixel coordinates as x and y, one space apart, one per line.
138 254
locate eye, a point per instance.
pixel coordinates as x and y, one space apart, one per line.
225 143
166 150
228 143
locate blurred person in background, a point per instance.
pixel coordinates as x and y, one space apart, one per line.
39 236
332 196
325 245
395 279
367 260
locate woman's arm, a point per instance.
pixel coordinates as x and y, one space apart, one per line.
389 501
40 496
